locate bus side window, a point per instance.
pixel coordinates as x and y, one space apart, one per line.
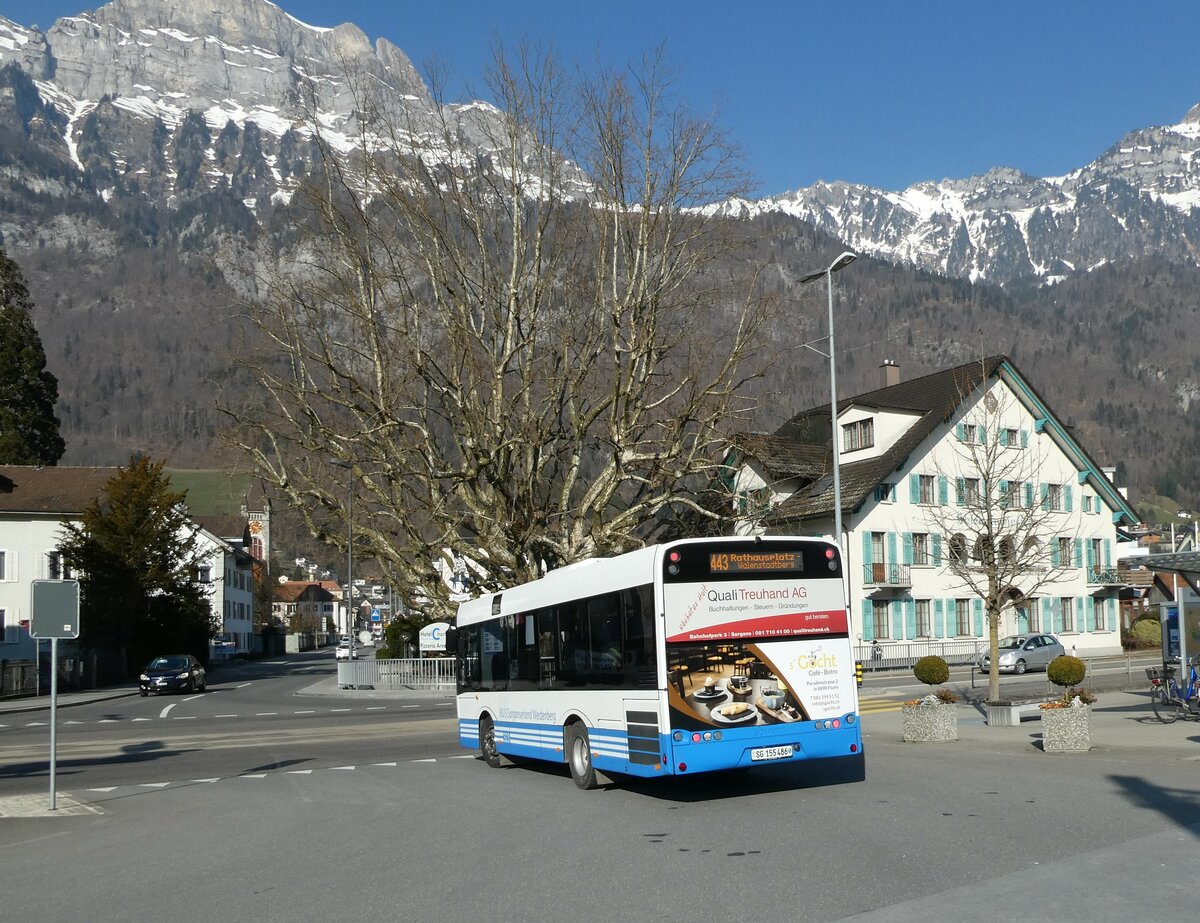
468 658
637 613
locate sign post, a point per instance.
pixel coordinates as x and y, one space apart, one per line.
54 614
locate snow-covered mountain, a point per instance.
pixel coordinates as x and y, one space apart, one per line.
173 99
1141 196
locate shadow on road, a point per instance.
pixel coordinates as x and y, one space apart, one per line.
144 752
1181 806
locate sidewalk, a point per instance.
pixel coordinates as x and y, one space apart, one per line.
1121 721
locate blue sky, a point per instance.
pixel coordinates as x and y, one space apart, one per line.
882 93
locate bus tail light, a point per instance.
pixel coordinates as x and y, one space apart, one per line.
854 748
683 767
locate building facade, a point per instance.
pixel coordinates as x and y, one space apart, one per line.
948 481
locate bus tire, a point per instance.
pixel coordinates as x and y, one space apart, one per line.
487 743
579 757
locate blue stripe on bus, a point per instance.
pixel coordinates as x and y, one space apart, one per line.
544 741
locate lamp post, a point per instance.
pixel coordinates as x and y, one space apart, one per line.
840 263
338 463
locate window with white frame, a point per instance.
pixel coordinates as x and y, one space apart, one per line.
858 435
1064 551
1054 497
204 574
972 491
962 617
57 567
885 493
1068 613
1011 438
920 548
1032 608
958 548
879 618
3 566
924 623
925 487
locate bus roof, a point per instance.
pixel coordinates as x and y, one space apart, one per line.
587 578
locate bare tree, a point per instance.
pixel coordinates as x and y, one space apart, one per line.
510 325
1002 535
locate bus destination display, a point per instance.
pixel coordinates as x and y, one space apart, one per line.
755 562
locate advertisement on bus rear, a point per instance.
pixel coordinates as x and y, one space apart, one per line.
751 652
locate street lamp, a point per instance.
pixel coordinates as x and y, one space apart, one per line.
840 263
338 463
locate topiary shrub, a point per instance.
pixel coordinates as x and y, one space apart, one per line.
931 670
1066 672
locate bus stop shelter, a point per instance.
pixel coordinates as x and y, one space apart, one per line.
1185 565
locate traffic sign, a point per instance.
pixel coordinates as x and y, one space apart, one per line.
55 609
376 616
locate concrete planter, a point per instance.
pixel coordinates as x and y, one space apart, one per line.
930 722
1067 728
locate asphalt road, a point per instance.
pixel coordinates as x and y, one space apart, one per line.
391 821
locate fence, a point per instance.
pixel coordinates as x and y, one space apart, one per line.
899 654
410 673
18 678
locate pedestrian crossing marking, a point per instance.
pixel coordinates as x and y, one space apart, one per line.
876 704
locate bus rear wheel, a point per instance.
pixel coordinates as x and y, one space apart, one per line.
579 757
487 743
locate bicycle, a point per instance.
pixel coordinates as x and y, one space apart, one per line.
1169 701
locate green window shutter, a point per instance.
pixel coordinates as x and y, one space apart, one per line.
937 551
977 606
868 620
897 619
1028 495
981 433
914 488
1003 436
1079 623
1024 439
908 551
1004 495
1047 615
960 491
910 618
960 432
1108 552
939 619
1054 556
866 539
1091 556
1067 502
1078 551
1091 614
1046 497
943 490
1056 613
891 548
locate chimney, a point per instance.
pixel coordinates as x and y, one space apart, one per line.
890 373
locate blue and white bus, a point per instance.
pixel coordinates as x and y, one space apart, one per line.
692 656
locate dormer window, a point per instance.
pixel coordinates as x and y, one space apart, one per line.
858 435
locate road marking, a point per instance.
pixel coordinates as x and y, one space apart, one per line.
154 784
265 714
422 761
141 719
299 772
384 764
111 788
446 704
342 767
339 709
213 779
190 697
376 707
163 713
410 706
465 756
109 720
224 716
68 722
185 717
307 711
36 724
254 775
242 686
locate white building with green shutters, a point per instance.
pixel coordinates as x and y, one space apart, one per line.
946 479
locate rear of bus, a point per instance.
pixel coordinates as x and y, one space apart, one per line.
759 663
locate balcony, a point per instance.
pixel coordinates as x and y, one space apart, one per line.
897 576
1105 576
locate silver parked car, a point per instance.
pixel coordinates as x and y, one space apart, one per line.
1019 653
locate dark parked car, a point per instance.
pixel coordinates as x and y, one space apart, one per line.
173 673
1019 653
